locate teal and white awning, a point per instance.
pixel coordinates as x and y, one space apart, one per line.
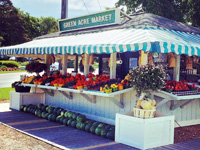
151 39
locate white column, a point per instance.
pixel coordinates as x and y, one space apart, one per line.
176 73
86 65
113 65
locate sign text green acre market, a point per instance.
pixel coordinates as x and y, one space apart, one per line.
93 20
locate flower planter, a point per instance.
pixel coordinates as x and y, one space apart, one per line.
144 133
22 88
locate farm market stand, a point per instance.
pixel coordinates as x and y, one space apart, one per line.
120 45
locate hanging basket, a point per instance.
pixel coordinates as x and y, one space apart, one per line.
145 114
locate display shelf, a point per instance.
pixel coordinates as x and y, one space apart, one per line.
182 100
47 87
107 94
69 90
29 85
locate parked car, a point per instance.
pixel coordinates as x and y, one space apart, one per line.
18 59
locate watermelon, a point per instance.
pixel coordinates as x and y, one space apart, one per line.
73 124
54 116
107 127
74 116
81 118
98 131
82 127
46 115
25 109
69 122
50 110
70 114
28 109
92 129
66 114
39 113
104 132
40 106
58 111
101 125
22 107
87 127
62 113
96 124
29 105
65 121
47 108
43 114
61 119
78 125
110 135
44 108
112 128
50 116
55 110
58 118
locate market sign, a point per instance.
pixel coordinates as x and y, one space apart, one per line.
109 17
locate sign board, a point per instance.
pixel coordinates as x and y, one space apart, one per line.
109 17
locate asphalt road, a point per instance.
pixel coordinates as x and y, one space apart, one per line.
8 78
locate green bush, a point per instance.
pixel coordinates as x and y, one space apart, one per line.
24 63
0 63
3 67
10 63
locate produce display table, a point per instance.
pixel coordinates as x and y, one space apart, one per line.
83 93
183 100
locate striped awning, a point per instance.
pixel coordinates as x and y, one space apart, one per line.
151 39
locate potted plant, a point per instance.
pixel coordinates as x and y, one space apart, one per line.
146 79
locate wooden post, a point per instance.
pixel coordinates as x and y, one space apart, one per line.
100 65
64 68
176 73
76 63
47 57
86 65
113 65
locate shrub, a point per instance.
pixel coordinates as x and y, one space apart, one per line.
10 63
3 67
24 63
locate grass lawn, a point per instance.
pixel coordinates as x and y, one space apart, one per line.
1 72
5 92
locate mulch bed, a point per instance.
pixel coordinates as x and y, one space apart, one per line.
186 133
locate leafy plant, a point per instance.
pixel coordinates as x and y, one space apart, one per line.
36 66
147 78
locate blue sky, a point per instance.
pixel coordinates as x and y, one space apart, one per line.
52 8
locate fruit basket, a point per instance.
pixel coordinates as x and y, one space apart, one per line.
145 114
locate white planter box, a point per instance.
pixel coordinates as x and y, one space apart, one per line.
17 99
144 133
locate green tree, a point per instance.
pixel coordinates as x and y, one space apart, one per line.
48 25
31 25
167 8
191 9
11 24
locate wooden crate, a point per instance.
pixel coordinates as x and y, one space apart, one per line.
144 133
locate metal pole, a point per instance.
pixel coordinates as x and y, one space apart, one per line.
64 9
